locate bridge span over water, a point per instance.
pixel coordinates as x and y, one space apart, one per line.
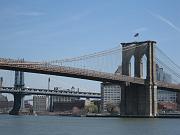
138 92
35 91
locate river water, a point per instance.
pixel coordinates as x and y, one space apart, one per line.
57 125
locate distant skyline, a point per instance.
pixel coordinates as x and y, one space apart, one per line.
51 30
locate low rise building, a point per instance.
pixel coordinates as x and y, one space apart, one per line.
68 106
166 99
110 94
63 99
3 104
39 103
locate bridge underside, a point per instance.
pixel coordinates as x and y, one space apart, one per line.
138 100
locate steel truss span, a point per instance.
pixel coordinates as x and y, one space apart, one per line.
30 91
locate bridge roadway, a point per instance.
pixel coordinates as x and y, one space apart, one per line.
35 67
168 86
33 91
67 71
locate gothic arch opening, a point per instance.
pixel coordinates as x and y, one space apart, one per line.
131 66
144 67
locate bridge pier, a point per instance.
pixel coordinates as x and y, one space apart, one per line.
18 83
138 100
17 104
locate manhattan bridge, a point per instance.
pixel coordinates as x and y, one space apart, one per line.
137 64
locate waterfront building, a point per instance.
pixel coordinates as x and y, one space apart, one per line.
3 104
68 106
64 98
39 103
110 94
166 99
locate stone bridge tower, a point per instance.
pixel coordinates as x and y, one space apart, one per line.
18 97
139 100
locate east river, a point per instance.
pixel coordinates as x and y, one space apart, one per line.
57 125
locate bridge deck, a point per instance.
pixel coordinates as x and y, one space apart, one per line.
29 91
35 67
168 86
70 72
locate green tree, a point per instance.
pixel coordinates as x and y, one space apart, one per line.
91 108
112 108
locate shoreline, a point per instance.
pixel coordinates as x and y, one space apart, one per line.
104 116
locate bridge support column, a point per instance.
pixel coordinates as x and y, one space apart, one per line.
18 83
51 104
138 100
17 104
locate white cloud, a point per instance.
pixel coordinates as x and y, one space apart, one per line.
168 22
11 12
139 30
78 16
32 13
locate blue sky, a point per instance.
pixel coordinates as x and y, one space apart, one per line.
54 29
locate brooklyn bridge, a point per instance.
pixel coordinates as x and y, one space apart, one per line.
137 64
